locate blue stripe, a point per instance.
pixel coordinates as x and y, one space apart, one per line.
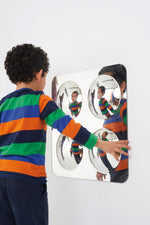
115 118
20 92
49 108
61 123
123 157
23 137
37 159
18 113
100 151
82 136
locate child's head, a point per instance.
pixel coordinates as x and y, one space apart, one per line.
118 71
74 96
104 134
24 61
101 92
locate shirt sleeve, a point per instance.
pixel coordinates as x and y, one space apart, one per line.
123 112
56 118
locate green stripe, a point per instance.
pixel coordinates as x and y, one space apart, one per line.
51 118
91 142
125 119
106 104
75 111
16 102
104 112
24 149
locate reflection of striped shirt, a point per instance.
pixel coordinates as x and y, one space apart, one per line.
24 116
75 148
74 107
118 124
104 106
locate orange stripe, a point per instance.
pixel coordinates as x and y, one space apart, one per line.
22 124
104 100
116 127
44 99
22 167
102 154
75 144
122 165
76 153
102 107
75 108
71 129
122 108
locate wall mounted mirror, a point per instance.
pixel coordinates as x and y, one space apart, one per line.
101 107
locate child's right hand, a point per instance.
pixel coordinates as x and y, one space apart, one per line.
113 147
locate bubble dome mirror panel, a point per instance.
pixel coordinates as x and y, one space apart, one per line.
103 162
69 152
104 96
69 159
69 98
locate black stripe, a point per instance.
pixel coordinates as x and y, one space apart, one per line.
23 137
122 135
49 108
82 136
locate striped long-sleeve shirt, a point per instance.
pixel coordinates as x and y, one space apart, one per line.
118 124
24 116
104 107
74 107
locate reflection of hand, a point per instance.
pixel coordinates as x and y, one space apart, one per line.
113 147
100 176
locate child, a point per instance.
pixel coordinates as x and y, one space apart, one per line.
75 106
117 123
103 103
76 151
24 115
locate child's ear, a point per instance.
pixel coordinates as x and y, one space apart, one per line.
123 86
38 74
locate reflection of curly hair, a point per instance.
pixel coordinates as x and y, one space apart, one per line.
23 61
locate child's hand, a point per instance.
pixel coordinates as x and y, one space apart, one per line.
113 147
100 176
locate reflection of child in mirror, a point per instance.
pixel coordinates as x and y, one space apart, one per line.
76 151
25 114
118 122
114 100
103 155
75 106
103 103
54 88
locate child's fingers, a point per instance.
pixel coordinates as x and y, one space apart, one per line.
121 151
123 146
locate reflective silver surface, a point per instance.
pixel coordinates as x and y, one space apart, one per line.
96 154
69 98
104 96
69 152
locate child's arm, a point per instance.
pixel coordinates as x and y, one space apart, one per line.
108 106
105 161
103 108
123 112
56 118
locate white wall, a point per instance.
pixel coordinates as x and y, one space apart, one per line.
81 35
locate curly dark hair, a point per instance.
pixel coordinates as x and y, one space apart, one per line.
23 61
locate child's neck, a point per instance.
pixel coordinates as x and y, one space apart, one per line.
25 85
